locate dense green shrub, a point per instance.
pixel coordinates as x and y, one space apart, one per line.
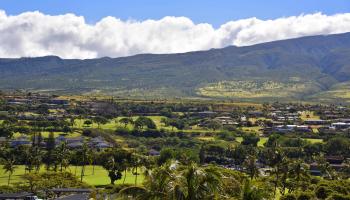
289 197
306 196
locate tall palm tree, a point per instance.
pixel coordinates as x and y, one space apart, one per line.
251 166
277 161
62 154
9 166
29 161
50 147
91 154
126 165
36 157
83 153
135 163
299 171
284 170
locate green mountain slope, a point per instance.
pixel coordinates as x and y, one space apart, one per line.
295 69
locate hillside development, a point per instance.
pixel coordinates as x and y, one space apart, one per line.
126 149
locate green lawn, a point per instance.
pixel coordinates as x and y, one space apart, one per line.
111 125
45 134
114 123
100 176
261 142
254 129
309 115
312 140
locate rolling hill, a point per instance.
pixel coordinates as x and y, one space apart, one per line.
310 68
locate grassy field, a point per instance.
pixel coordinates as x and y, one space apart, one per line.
114 124
309 115
45 134
254 129
312 140
100 177
261 142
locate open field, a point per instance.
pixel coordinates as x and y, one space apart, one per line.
261 142
45 134
100 177
312 140
254 129
309 115
114 124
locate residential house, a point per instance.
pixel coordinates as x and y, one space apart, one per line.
336 162
99 143
23 140
225 121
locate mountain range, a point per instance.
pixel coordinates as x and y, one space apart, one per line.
315 68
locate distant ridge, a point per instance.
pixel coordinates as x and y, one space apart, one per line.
314 68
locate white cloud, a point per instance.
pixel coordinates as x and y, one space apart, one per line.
33 34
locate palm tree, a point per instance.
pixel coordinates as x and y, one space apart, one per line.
156 185
29 158
136 163
299 171
125 166
91 158
277 161
251 167
172 181
9 166
250 192
35 157
193 182
284 170
83 153
62 154
50 146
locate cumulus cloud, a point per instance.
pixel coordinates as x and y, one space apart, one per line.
32 34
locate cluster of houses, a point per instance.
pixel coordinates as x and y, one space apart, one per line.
280 118
97 143
36 99
338 163
284 119
274 118
33 102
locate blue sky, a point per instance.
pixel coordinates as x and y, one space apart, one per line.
215 12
